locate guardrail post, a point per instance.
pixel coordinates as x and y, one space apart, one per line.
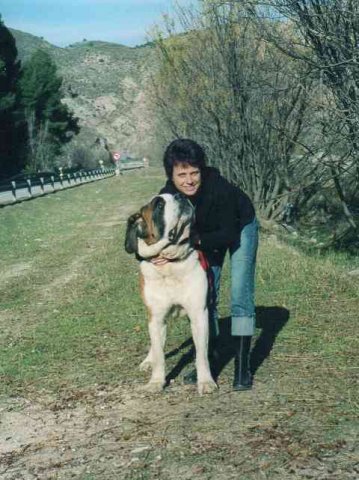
42 184
61 175
28 181
68 179
13 190
53 182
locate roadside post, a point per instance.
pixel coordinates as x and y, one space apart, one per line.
13 190
61 175
117 161
28 181
42 184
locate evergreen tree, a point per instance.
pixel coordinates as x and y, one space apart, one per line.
49 122
10 161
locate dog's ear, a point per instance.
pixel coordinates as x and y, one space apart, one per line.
136 228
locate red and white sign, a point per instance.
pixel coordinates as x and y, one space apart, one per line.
116 156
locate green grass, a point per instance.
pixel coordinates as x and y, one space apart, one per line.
70 307
72 320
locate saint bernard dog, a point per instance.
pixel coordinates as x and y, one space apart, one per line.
162 229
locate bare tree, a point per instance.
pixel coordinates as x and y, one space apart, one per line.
327 43
40 147
241 98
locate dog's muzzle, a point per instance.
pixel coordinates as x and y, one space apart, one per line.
185 218
185 206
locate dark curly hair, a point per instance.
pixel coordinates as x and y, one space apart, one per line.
183 150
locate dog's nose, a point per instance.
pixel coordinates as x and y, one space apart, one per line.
185 206
179 197
182 200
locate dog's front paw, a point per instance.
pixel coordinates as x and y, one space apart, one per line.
146 365
207 387
154 387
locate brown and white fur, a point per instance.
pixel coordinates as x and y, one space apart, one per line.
162 229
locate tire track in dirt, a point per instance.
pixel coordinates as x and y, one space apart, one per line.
14 271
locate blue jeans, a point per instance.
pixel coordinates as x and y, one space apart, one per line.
243 254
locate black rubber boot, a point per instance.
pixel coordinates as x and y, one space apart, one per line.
243 379
191 377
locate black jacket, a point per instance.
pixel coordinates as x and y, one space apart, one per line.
222 210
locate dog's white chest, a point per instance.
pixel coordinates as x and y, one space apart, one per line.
174 283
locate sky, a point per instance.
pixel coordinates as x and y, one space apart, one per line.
63 22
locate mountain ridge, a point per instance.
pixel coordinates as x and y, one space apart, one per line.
107 86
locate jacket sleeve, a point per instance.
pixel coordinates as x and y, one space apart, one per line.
227 230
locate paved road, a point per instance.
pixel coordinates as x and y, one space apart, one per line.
23 193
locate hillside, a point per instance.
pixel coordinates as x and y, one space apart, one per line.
106 85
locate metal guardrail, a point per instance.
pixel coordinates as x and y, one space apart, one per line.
18 190
132 165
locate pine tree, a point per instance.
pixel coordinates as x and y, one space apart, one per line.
10 161
49 122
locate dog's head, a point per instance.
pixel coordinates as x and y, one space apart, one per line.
164 221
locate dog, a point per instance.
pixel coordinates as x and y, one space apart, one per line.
162 229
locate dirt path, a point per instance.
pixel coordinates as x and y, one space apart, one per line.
123 433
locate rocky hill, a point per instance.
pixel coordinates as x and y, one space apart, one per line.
106 85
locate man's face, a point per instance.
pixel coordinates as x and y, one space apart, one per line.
187 179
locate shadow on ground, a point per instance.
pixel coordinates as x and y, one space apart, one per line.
270 320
